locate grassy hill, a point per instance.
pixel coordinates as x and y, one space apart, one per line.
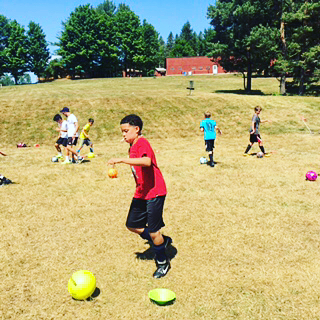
246 232
26 112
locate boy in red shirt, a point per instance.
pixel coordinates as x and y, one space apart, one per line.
145 214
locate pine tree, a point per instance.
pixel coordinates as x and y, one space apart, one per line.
170 45
186 43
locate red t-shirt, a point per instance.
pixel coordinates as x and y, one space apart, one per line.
149 180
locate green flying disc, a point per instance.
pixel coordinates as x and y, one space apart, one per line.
162 296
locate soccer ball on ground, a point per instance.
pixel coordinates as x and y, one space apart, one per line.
54 159
82 285
91 155
260 154
311 176
203 160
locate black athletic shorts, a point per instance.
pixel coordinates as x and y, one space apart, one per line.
255 138
143 213
86 142
72 141
209 145
62 142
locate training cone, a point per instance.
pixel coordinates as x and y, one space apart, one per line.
162 296
82 284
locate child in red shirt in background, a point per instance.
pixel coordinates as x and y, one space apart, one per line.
145 214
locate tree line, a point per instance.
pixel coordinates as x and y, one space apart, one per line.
278 37
95 42
105 41
270 37
21 51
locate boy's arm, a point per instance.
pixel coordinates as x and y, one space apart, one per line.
59 130
77 128
253 127
142 162
218 129
85 133
201 129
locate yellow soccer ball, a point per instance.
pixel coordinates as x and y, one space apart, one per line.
91 155
82 284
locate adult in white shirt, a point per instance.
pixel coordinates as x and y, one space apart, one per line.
73 128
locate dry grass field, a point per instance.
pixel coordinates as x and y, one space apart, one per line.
246 233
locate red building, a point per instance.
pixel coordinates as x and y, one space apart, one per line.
192 66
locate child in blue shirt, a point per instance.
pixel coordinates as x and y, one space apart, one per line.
209 127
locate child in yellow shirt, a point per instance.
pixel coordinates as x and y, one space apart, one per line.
84 137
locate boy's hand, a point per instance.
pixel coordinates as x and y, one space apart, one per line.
113 161
57 129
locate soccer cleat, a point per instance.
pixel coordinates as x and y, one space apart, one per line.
162 269
267 154
211 164
80 159
167 241
66 162
246 155
59 156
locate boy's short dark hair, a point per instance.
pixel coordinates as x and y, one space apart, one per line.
57 117
257 108
207 114
133 120
91 120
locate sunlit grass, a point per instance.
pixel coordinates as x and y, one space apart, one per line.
246 232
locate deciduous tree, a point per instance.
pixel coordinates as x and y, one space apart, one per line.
16 51
38 52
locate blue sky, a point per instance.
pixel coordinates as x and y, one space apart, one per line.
165 15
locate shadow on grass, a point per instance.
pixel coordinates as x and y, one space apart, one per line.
215 162
95 294
148 254
251 93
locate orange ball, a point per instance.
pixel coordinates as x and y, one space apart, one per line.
112 172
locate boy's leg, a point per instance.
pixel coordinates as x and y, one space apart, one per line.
248 148
69 151
81 146
155 223
253 139
209 149
58 147
162 261
262 148
211 163
91 146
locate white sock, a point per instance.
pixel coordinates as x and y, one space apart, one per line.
67 158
